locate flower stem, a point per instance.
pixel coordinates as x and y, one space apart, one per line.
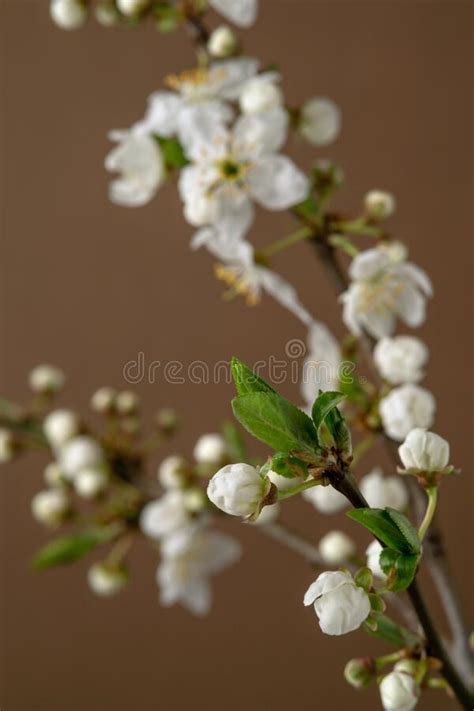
287 493
285 242
432 493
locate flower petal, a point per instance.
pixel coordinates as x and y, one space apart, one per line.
276 183
241 12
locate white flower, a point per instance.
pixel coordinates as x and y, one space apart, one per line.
50 506
382 491
240 12
195 500
131 7
321 366
138 160
320 121
90 482
238 489
127 402
106 580
405 408
170 472
210 449
46 379
340 605
379 204
380 291
189 558
399 692
325 499
261 94
282 483
103 400
68 14
80 453
6 445
53 475
267 515
401 359
396 250
59 426
424 451
336 548
373 559
222 42
165 515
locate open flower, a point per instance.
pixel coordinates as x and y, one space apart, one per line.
241 12
165 515
424 451
401 359
399 692
381 290
382 491
406 408
238 489
339 603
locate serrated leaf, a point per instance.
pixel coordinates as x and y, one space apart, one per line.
67 549
325 411
407 529
276 422
323 405
399 568
246 381
339 430
235 442
288 466
381 524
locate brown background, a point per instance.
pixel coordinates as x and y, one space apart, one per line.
89 285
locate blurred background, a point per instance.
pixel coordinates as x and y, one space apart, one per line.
88 286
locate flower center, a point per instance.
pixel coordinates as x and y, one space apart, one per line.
230 169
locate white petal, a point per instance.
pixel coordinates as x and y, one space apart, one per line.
284 293
139 160
276 183
162 113
240 12
369 263
198 123
227 77
256 135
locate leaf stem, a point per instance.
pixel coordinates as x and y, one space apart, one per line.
285 242
432 493
288 493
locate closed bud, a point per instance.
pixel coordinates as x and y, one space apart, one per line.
222 42
50 507
7 445
238 489
424 452
60 426
320 121
127 402
210 449
339 603
336 548
46 379
360 672
379 205
53 475
171 472
106 580
103 400
382 491
78 454
406 407
259 95
399 692
68 14
131 7
106 14
401 359
90 482
195 500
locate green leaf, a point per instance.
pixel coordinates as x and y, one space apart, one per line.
289 466
67 549
235 442
276 422
403 539
246 381
325 412
389 631
364 578
399 568
339 430
323 405
173 153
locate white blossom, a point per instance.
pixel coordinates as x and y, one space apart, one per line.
50 506
399 692
170 472
131 7
336 548
401 359
241 12
325 499
127 402
238 489
322 364
405 408
138 160
222 42
382 491
261 94
320 121
60 426
90 482
189 558
339 603
373 552
68 14
103 400
380 291
165 515
80 453
195 500
267 515
379 204
424 451
46 379
210 449
106 14
6 445
106 580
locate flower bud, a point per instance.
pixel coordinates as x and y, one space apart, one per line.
53 475
60 426
68 14
131 7
195 500
259 95
127 402
7 445
46 379
336 548
106 14
373 559
103 400
50 506
171 472
222 42
210 449
80 453
382 491
267 515
379 204
401 359
238 489
424 451
360 672
320 121
405 408
399 692
325 499
90 482
106 580
340 605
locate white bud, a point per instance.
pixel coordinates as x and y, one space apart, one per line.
401 359
50 506
267 515
325 499
238 489
210 449
131 7
106 580
222 42
399 692
165 515
80 453
320 121
7 448
336 548
106 14
127 402
201 210
46 379
382 491
339 603
195 500
68 14
259 95
424 451
170 472
379 204
60 426
405 408
103 400
90 482
282 483
373 559
53 475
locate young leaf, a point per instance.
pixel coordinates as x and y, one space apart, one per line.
67 549
381 524
246 381
325 412
323 405
276 422
407 529
288 466
389 631
399 568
